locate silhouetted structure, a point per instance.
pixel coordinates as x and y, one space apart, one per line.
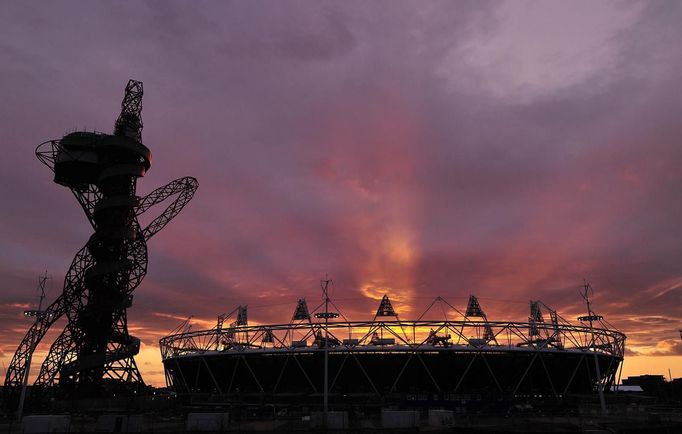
388 361
95 349
656 385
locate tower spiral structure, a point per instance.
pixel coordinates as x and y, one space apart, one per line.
94 351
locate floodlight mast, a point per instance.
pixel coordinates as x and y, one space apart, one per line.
95 352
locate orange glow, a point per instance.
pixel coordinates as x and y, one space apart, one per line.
657 365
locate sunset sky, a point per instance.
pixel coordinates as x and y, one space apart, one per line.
504 149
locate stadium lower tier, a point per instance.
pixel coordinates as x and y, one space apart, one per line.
378 374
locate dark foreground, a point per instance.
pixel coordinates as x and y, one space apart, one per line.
632 419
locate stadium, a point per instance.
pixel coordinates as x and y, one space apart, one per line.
322 357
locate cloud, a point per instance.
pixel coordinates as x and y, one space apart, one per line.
416 149
542 49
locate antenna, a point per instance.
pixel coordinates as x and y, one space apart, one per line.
585 293
326 315
39 313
